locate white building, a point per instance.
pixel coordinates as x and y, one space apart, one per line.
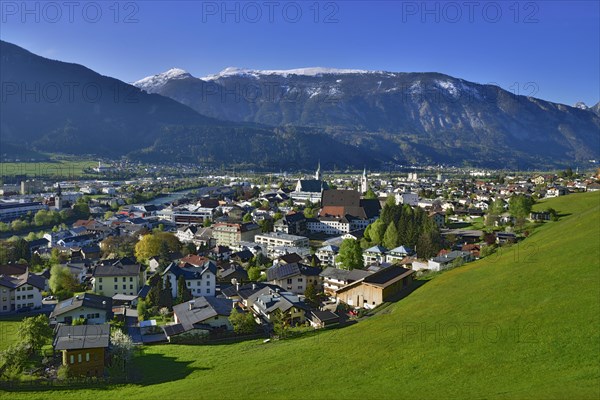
276 239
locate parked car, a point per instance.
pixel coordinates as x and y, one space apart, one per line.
49 298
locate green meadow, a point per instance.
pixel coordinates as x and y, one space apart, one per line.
58 167
522 324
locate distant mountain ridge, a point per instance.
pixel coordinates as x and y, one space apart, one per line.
411 116
284 119
52 106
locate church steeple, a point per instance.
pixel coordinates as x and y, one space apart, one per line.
364 183
318 173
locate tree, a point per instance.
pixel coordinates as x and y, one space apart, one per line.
254 273
81 209
13 359
553 214
150 245
370 194
119 246
428 244
311 295
166 295
350 255
519 206
62 282
280 323
183 293
243 323
21 249
390 238
247 217
156 286
121 347
377 231
142 310
309 212
34 332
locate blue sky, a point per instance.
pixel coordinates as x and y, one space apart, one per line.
549 49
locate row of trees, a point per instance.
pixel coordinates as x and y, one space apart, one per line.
404 225
43 218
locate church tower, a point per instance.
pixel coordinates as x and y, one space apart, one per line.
58 199
364 183
318 175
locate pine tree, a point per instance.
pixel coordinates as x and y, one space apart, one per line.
390 238
184 294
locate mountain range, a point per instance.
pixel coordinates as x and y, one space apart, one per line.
285 118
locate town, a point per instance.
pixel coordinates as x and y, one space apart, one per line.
93 268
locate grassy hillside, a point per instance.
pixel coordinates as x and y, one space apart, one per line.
523 324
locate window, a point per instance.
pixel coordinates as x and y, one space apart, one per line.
100 280
116 287
207 291
100 287
131 279
299 280
79 357
72 359
124 279
130 286
87 357
115 279
198 283
124 286
289 281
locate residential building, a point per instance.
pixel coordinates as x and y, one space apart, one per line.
274 239
268 302
398 254
203 314
375 254
201 280
444 261
327 254
231 234
117 278
294 277
293 224
335 278
21 291
84 348
94 309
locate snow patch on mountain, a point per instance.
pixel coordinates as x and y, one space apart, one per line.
313 71
581 105
154 82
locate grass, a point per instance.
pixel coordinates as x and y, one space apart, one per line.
57 167
8 331
520 324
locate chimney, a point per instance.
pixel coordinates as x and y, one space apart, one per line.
254 286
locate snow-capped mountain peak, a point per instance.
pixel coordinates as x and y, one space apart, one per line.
152 83
581 105
312 71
